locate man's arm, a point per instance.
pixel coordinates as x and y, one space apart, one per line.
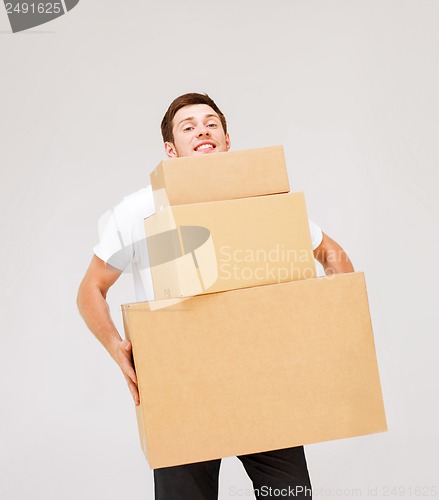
94 309
332 257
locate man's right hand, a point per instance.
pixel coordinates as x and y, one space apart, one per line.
94 309
123 355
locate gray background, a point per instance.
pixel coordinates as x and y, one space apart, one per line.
348 87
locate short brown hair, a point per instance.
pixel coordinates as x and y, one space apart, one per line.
187 100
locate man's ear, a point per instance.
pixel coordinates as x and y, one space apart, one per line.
228 143
170 150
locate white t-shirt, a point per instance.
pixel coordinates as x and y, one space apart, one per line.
122 240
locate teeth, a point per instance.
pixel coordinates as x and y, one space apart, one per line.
205 146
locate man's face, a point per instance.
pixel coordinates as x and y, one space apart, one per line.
197 130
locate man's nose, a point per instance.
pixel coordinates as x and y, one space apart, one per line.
203 131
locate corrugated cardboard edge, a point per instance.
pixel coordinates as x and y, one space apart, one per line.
139 409
302 194
385 428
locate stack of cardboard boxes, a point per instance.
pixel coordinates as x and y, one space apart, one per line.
244 349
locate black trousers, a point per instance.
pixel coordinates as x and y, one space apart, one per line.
275 474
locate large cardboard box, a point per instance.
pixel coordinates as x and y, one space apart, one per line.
220 176
223 245
255 369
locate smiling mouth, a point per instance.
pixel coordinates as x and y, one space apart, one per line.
205 147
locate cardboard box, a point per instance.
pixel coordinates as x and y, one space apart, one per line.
224 245
255 369
219 176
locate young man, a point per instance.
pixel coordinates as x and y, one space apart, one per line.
193 125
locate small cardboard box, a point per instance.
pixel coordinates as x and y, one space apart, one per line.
223 245
220 176
255 369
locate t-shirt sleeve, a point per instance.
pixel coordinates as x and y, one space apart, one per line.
316 234
115 245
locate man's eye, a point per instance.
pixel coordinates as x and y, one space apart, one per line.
187 129
213 125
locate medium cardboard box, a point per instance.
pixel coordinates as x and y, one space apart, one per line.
223 245
220 176
255 369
